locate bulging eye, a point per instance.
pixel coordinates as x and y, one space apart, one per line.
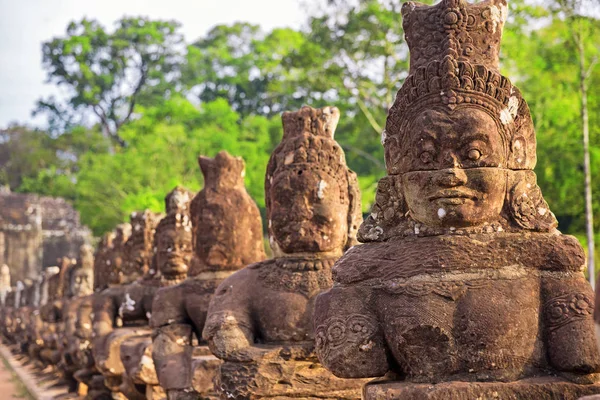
426 157
474 154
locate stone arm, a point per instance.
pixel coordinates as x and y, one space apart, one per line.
229 328
83 320
568 304
172 339
349 340
105 311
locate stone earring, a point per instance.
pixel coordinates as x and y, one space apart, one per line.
526 205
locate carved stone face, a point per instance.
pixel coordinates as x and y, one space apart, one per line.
174 250
82 283
306 213
454 178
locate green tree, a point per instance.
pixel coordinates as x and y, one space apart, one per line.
106 74
248 67
164 144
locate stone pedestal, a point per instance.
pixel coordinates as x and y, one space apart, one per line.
526 389
283 379
205 367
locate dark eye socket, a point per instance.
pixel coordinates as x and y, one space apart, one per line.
426 157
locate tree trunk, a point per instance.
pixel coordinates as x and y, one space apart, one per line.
589 216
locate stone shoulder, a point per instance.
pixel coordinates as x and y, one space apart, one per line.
401 259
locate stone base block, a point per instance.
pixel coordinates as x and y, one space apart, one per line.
284 379
526 389
204 370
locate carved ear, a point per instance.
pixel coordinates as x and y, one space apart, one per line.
526 205
387 213
519 151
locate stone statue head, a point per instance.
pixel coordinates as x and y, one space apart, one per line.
82 277
173 236
312 198
103 262
49 283
4 276
226 223
19 287
4 283
459 140
117 255
82 281
11 297
67 264
140 246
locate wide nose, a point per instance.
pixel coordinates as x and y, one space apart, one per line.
449 160
451 177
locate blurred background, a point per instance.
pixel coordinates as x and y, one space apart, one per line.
108 104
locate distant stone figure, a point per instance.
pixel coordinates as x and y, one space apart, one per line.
260 318
4 283
81 285
464 287
122 311
227 235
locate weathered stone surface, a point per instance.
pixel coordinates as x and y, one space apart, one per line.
35 231
122 312
463 277
527 389
313 209
227 233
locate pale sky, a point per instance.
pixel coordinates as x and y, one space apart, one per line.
25 24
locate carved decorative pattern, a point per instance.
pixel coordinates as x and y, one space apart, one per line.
306 277
336 331
565 309
451 290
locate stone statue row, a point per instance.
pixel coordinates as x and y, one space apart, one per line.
463 287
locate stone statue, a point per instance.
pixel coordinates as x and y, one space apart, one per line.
260 319
102 261
24 313
86 372
4 283
51 312
121 313
170 265
464 287
81 284
36 324
8 316
227 234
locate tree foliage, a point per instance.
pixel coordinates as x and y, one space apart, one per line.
107 73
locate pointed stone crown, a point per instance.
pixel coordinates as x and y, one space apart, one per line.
177 204
143 224
454 51
454 28
308 143
224 169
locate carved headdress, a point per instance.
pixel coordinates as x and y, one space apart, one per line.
308 145
140 245
454 56
177 204
454 52
102 262
116 255
227 228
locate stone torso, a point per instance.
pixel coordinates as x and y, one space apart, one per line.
469 308
280 304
